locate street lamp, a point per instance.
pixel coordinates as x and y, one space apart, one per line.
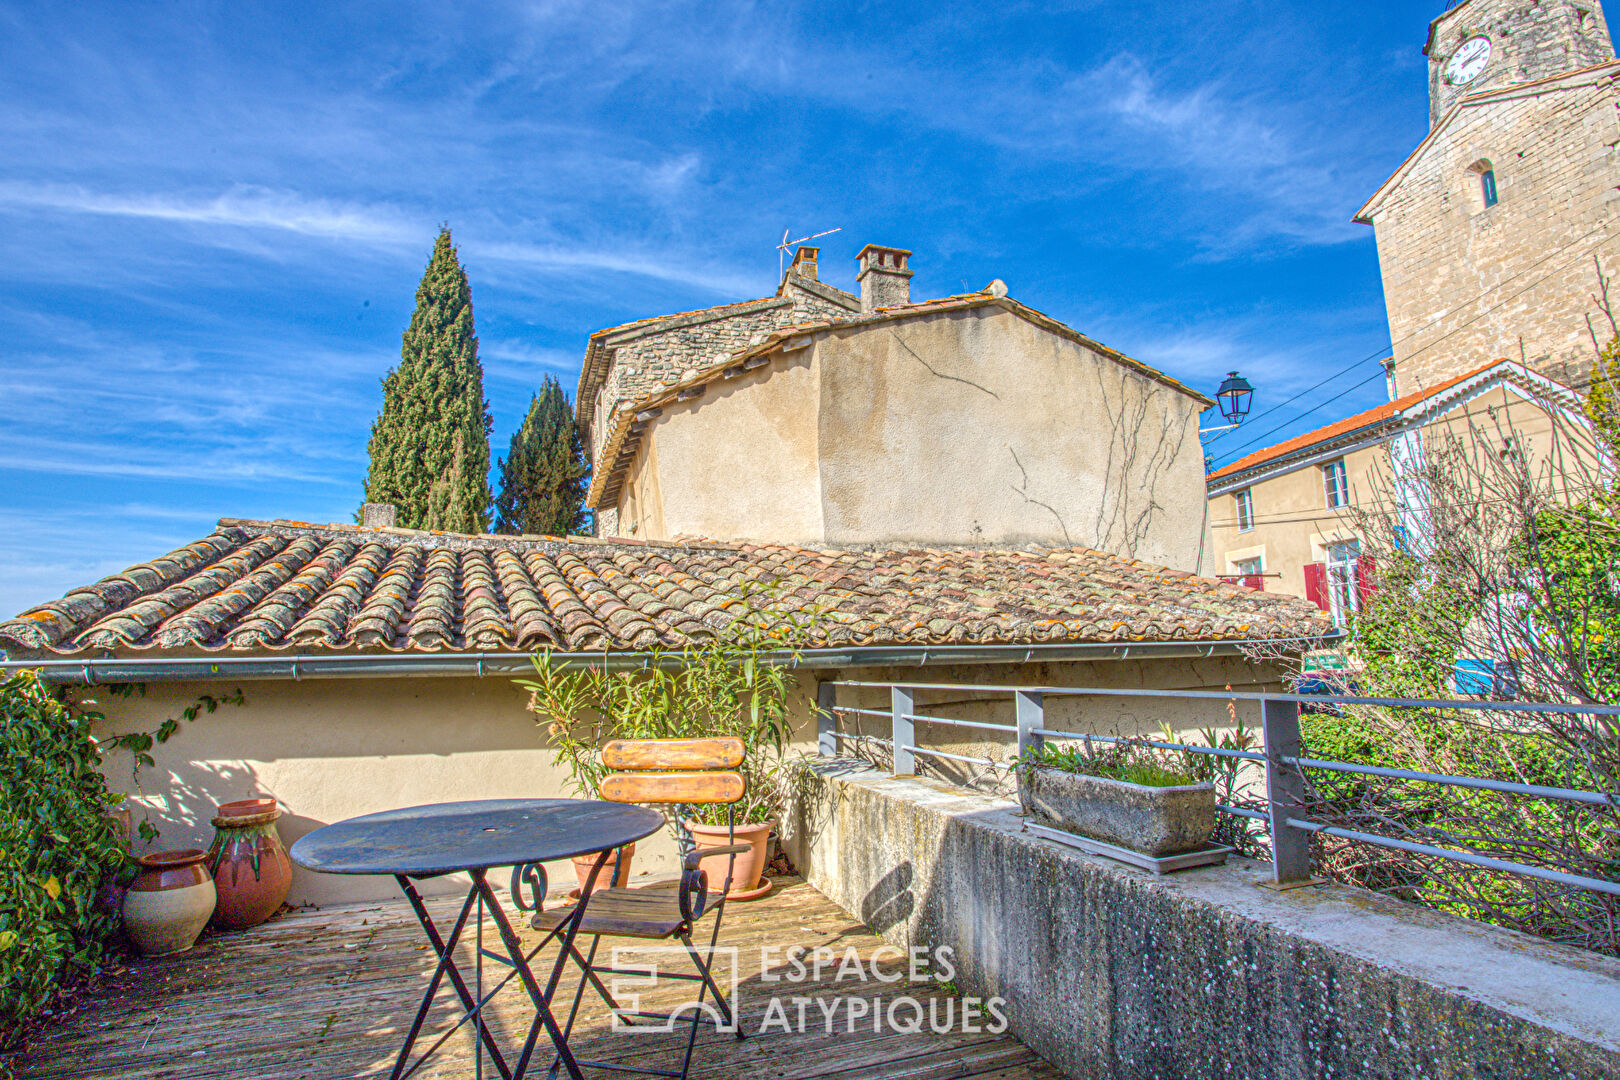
1234 396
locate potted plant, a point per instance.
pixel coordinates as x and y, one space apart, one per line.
1130 795
723 686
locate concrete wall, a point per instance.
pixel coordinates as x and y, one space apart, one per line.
1109 972
1463 283
971 427
331 749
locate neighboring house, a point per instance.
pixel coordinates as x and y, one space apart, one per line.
1284 517
378 663
1494 235
967 420
623 363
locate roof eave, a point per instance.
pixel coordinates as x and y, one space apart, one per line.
103 670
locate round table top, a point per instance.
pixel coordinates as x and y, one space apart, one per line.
446 837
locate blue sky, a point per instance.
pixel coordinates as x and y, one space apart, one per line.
213 216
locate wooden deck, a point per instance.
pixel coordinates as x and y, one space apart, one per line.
329 993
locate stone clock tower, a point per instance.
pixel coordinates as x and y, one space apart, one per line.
1492 232
1480 45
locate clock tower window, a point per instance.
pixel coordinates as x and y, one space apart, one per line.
1487 183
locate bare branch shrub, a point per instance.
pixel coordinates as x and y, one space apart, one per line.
1498 556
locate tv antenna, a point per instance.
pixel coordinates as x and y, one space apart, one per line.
782 248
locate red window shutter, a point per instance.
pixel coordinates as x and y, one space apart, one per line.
1316 590
1366 579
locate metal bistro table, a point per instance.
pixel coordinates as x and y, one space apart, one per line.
473 838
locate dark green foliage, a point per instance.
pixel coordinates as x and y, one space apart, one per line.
58 849
543 474
430 444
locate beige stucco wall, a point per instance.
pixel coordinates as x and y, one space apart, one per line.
738 463
969 427
330 749
1293 525
1463 283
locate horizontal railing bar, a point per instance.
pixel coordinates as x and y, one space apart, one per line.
1246 755
958 757
1566 794
1486 861
1250 695
961 723
1241 812
868 738
862 712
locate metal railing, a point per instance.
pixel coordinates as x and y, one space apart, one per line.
1281 754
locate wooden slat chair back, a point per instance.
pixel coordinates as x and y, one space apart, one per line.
689 772
692 771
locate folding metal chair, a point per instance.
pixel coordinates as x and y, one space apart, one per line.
668 771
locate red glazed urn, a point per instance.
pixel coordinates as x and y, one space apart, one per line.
251 870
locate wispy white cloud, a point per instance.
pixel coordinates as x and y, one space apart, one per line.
240 206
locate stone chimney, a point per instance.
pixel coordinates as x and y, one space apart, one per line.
804 262
885 277
377 515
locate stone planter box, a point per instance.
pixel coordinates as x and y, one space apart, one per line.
1155 821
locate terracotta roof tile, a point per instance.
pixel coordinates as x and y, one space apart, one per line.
256 585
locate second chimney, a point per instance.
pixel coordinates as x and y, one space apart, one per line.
377 515
804 261
885 277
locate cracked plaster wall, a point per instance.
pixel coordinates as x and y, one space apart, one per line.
972 427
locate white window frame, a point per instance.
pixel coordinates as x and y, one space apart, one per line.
1335 484
1343 580
1244 501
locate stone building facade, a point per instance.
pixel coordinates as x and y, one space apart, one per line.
1529 40
1491 234
624 363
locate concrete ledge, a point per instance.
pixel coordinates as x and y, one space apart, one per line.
1111 972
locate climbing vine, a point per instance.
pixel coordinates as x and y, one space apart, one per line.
139 743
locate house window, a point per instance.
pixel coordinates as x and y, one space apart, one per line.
1487 187
1245 510
1334 485
1249 572
1344 593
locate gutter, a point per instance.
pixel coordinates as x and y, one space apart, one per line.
91 671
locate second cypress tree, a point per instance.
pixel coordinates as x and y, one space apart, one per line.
430 444
543 473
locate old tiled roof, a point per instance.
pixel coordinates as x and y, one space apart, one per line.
278 585
1391 413
630 419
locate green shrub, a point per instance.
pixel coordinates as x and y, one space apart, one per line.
58 849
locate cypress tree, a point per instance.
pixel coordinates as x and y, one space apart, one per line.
430 444
543 473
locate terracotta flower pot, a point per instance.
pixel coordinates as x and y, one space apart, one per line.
251 870
745 883
614 875
169 902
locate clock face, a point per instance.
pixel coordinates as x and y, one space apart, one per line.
1468 61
